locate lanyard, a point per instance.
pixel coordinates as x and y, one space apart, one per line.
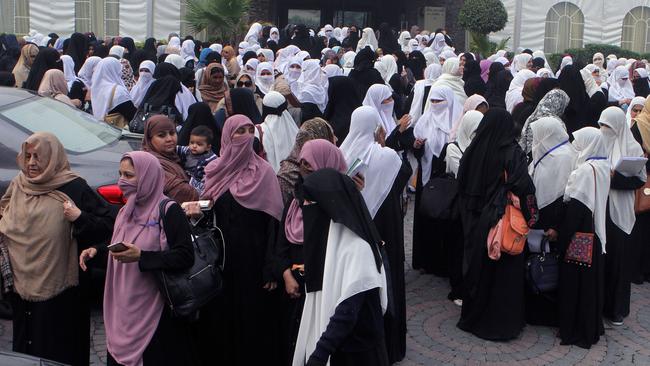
597 158
550 151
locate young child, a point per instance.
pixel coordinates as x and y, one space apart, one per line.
197 155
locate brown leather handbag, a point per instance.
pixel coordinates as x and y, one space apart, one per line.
642 199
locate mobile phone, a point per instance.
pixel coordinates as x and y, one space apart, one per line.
117 247
205 204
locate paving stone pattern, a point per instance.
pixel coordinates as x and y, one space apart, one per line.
433 338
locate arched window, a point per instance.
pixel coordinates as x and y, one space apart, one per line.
565 26
636 35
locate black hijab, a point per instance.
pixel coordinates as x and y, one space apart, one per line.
302 39
641 87
137 58
364 73
578 112
166 69
474 84
387 40
77 49
497 98
7 79
545 86
162 92
364 60
343 100
417 64
351 41
199 114
242 101
247 56
187 77
336 199
47 58
101 50
150 47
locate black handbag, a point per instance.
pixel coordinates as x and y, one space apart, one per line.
542 271
186 291
136 125
438 199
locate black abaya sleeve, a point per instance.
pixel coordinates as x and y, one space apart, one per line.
282 246
621 182
522 185
180 253
269 273
552 216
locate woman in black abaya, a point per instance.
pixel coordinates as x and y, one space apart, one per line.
474 84
78 49
493 164
497 86
364 73
583 111
343 100
47 58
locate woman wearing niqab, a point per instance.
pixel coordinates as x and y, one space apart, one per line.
492 165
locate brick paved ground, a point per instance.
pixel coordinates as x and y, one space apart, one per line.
433 338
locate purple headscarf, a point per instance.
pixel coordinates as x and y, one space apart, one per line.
320 154
250 179
132 302
485 69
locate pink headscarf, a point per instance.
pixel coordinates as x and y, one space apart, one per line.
250 179
132 302
470 104
320 154
485 69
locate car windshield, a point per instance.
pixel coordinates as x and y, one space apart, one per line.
77 130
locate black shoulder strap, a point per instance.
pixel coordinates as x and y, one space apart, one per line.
162 208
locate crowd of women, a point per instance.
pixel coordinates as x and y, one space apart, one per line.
306 143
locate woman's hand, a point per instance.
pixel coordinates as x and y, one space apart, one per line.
270 286
419 143
71 211
85 256
132 254
380 136
360 181
192 209
404 122
291 286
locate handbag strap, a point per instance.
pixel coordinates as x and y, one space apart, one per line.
110 102
593 213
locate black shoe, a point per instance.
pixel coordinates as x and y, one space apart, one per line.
616 321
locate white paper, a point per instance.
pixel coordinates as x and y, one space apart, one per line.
631 166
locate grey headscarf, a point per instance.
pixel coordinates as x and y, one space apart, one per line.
552 105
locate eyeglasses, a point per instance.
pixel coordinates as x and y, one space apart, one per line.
247 84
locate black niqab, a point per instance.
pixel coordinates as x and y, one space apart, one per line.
166 69
496 97
162 92
343 100
247 56
474 84
545 86
47 58
641 87
150 47
335 198
101 50
387 40
243 102
77 49
302 38
578 112
417 63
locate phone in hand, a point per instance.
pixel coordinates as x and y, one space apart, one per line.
117 247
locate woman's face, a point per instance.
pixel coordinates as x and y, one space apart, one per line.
33 162
638 108
261 57
127 171
226 54
266 73
244 130
305 168
164 142
244 82
635 75
217 78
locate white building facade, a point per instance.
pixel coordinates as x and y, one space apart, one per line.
134 18
555 25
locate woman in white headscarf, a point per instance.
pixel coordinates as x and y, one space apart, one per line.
566 61
599 60
452 77
68 70
264 78
173 46
274 35
253 34
580 287
348 62
265 55
332 70
636 107
108 93
368 38
187 53
279 130
620 86
250 68
438 44
520 62
387 67
380 97
145 80
545 73
513 95
80 87
175 60
620 216
421 90
281 64
312 85
403 41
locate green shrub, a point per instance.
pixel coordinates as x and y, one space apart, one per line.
483 16
585 55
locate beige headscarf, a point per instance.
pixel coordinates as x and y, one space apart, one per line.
642 121
54 85
39 239
24 64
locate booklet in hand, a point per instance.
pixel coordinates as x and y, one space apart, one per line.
631 166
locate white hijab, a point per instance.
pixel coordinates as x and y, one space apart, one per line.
86 72
431 73
464 136
187 51
519 63
68 70
274 35
582 186
620 86
451 78
566 61
253 33
264 83
145 80
513 95
107 75
268 54
383 162
403 41
116 51
554 158
174 42
636 101
376 94
387 67
284 57
313 84
620 144
349 269
545 73
175 60
216 47
367 39
438 44
542 55
279 131
435 125
332 70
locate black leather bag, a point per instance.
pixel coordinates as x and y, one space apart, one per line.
186 291
136 125
542 271
438 200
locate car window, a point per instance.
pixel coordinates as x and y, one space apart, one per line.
77 130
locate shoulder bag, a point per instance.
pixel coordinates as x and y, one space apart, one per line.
186 291
438 199
114 119
542 270
510 233
581 248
